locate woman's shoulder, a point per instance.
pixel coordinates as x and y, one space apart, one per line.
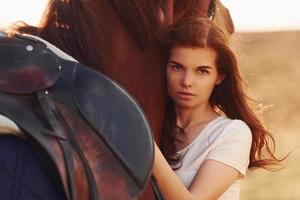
234 127
236 124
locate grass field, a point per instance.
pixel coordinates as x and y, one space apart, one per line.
270 63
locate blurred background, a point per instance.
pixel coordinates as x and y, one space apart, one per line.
271 65
267 41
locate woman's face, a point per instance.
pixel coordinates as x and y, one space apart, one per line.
192 75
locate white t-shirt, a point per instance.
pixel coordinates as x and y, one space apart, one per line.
224 140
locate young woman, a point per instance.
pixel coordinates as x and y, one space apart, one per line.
211 135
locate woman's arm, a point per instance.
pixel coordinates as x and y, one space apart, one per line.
211 181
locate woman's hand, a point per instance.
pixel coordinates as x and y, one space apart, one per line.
169 183
211 181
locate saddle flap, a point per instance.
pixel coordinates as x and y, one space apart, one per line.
26 65
117 119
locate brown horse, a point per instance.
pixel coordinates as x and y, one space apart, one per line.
121 39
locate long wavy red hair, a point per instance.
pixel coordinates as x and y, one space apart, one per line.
228 97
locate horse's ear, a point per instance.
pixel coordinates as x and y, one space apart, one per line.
212 9
221 16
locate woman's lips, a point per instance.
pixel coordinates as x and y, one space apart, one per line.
185 95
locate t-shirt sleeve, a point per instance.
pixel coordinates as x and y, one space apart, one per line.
233 147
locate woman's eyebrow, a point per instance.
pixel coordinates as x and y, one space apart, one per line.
174 62
200 66
204 67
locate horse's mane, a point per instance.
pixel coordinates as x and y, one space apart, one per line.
142 18
81 27
191 8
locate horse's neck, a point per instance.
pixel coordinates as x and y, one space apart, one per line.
139 71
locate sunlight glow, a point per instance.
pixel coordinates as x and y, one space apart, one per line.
264 15
29 11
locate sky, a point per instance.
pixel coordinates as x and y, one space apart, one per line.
264 15
248 15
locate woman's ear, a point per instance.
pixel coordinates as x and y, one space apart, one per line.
220 78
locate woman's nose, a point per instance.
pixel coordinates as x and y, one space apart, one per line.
186 80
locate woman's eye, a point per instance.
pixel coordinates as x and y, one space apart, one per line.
176 67
203 71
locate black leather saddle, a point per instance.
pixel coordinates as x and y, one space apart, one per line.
94 133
